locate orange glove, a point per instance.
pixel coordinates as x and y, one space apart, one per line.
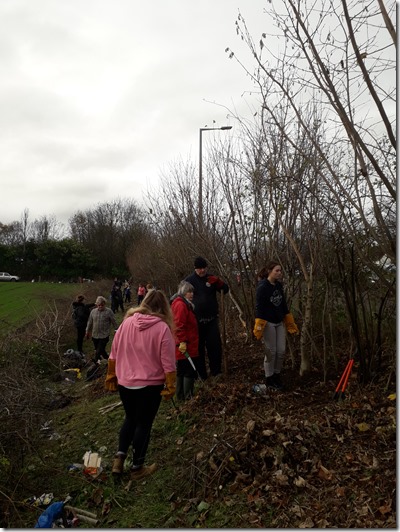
291 327
259 327
182 347
170 386
111 383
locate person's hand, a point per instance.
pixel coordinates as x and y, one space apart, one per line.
170 386
111 383
213 279
87 335
259 326
290 325
182 347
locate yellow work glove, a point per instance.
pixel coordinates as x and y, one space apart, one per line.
291 327
170 386
182 347
259 327
111 383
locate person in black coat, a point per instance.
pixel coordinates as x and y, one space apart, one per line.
117 300
205 303
80 315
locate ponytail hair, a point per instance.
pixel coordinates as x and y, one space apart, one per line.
266 270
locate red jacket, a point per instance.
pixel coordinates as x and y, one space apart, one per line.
186 327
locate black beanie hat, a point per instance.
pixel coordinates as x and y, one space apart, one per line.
199 262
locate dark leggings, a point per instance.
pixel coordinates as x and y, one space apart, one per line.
141 406
80 336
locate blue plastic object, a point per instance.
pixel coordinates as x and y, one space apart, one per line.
51 514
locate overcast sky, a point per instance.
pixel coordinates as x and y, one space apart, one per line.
97 96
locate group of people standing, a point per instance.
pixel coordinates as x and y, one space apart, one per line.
121 293
94 320
160 349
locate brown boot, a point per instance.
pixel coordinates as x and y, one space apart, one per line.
144 471
118 464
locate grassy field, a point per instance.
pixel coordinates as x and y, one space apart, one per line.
20 302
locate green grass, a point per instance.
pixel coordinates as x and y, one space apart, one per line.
20 303
164 500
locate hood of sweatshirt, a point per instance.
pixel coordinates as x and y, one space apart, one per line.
144 321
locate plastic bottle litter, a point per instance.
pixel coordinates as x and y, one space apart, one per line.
260 389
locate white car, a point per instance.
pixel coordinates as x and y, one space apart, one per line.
4 276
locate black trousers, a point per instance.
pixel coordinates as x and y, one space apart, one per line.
116 303
100 347
210 341
80 336
141 406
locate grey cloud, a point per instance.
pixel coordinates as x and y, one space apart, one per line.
32 108
104 158
96 96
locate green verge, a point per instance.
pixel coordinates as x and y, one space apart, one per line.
168 499
20 302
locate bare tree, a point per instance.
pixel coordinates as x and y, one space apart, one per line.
108 231
46 228
327 63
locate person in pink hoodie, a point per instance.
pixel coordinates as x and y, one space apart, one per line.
141 367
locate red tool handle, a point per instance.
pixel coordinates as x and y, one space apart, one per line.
343 380
343 376
348 375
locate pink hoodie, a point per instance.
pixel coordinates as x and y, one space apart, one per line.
144 351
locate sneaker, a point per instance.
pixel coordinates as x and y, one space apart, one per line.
118 464
271 383
144 471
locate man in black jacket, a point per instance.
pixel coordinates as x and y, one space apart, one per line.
80 315
205 303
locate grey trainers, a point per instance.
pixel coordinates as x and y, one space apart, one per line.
118 464
145 471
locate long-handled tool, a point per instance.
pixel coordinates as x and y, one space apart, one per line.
341 393
335 395
341 387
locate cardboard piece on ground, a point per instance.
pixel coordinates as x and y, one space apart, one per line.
92 462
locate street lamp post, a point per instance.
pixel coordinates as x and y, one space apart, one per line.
223 128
